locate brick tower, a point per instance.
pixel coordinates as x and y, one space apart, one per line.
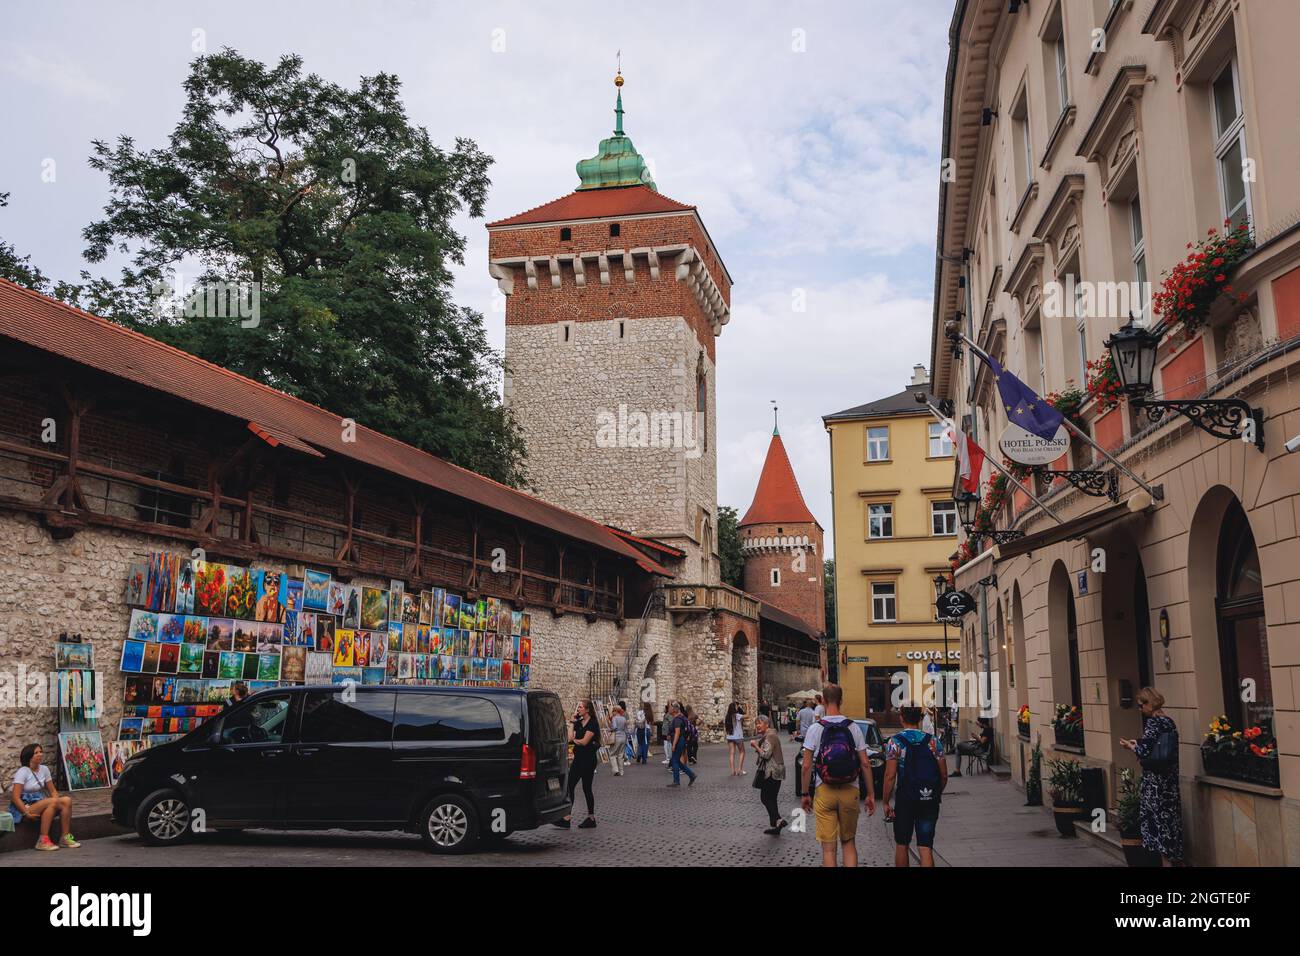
615 294
782 542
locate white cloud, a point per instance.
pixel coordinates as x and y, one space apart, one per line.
64 77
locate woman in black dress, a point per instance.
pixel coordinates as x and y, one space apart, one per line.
585 737
1160 804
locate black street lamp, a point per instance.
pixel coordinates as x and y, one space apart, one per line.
941 585
967 504
1133 352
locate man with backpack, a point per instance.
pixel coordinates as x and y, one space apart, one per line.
915 776
682 733
836 751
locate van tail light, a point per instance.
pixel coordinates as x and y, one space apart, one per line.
528 764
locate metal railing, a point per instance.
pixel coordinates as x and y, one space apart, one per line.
654 607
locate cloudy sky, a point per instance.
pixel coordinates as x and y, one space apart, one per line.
807 134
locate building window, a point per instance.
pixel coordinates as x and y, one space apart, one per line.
776 577
880 521
566 234
613 229
1069 277
940 441
884 605
1022 147
1056 67
1139 258
943 517
878 444
1230 143
1243 637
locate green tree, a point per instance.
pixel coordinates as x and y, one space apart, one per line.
340 211
832 640
730 556
18 268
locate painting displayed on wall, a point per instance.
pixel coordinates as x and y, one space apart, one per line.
245 637
306 636
372 675
241 598
343 647
196 630
336 602
507 670
128 728
269 638
135 580
84 763
221 634
516 621
410 610
351 617
171 628
191 658
132 656
318 668
361 648
272 589
324 634
374 609
209 588
184 603
268 665
150 663
144 626
396 597
525 624
232 665
249 671
293 663
450 610
525 651
426 608
211 665
315 590
169 658
293 595
343 675
74 657
378 656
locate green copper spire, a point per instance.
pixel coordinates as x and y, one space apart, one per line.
616 163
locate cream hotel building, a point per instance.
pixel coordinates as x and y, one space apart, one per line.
1091 141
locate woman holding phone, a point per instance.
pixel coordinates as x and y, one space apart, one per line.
584 735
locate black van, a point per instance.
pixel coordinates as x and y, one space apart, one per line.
453 764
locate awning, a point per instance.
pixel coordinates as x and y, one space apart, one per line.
1079 527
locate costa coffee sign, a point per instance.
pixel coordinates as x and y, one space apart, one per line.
1025 448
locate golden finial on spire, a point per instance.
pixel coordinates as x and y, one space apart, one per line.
618 77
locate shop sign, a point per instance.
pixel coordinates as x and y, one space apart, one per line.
1025 448
953 605
858 660
953 655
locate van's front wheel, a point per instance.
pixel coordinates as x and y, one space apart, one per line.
163 818
448 824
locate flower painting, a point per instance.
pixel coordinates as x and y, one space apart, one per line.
83 760
171 628
144 626
241 596
209 588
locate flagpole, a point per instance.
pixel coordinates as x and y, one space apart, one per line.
1075 430
996 464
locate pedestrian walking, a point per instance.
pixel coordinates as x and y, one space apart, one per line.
791 719
666 732
820 710
916 774
835 753
1160 806
733 725
770 772
680 736
805 719
618 752
693 739
585 737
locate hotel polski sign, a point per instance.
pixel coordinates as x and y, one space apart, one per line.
1025 448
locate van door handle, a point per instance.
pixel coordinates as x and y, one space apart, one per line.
307 751
273 753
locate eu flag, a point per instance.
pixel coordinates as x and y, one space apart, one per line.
1022 405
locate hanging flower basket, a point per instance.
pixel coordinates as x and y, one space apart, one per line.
1190 289
1068 725
1247 755
1103 384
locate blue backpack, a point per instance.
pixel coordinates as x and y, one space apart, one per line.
836 760
918 776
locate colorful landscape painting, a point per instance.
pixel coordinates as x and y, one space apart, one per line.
374 609
74 656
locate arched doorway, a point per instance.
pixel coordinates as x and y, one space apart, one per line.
1126 642
1063 633
649 690
744 674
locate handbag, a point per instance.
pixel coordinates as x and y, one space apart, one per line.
1163 755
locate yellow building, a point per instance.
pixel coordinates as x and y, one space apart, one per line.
895 526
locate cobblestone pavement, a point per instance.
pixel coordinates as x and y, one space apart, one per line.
718 822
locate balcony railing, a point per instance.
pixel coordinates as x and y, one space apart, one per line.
693 598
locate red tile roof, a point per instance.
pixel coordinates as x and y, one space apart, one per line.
777 498
60 329
597 204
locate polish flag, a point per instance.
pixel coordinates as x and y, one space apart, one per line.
970 459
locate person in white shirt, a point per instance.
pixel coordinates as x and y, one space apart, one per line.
806 718
33 797
820 709
734 726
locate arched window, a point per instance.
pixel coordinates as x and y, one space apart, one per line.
1243 638
702 403
1072 644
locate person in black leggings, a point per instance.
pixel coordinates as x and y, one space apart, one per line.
585 737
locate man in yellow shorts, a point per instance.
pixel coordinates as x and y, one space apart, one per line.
836 746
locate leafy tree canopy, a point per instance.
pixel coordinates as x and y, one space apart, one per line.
341 211
730 557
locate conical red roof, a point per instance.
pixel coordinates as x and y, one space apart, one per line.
778 498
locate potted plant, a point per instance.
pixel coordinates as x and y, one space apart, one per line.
1065 780
1248 755
1034 784
1022 721
1128 815
1189 290
1067 724
1103 384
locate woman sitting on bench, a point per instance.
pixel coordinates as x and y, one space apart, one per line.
980 743
33 797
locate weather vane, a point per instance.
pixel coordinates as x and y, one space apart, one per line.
775 409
